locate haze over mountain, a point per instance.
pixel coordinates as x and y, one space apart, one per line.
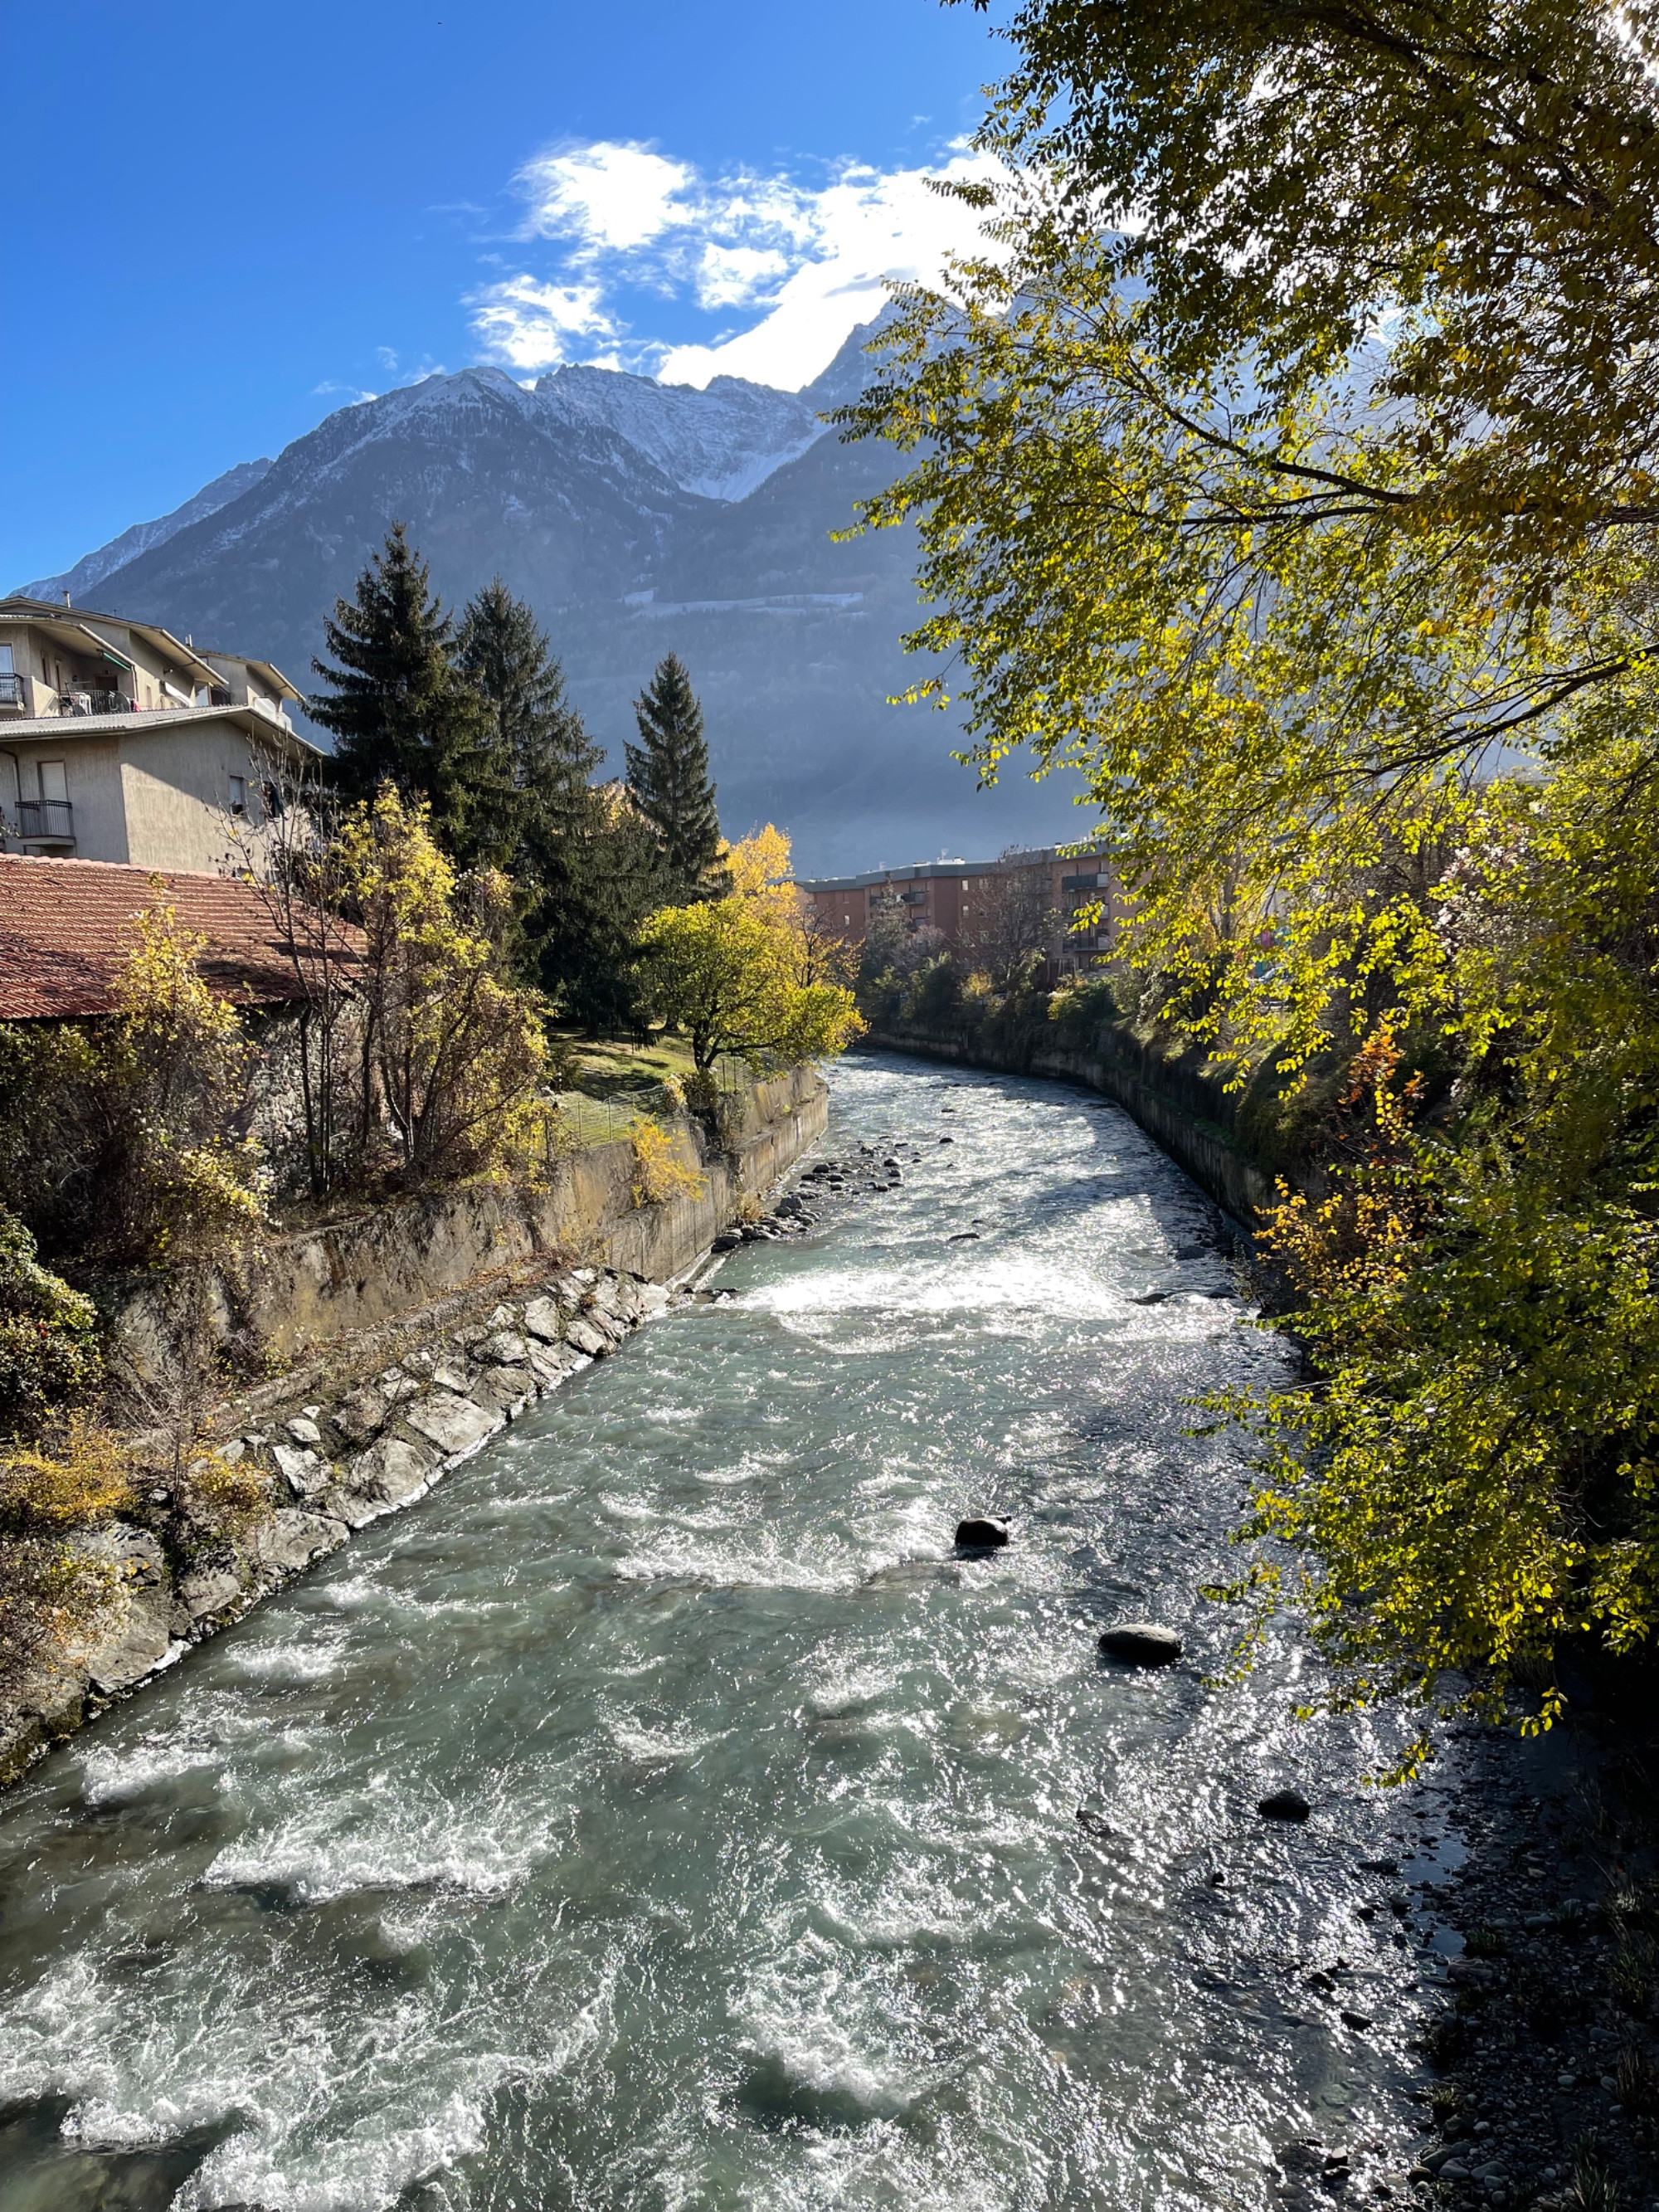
637 518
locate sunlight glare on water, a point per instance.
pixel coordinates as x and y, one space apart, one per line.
659 1815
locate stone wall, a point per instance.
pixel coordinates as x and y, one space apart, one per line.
1182 1107
403 1338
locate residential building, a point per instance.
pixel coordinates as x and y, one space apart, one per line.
120 742
969 903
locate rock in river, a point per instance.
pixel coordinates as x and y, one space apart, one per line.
1142 1644
1284 1805
982 1536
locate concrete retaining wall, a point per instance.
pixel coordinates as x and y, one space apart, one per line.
317 1285
1168 1099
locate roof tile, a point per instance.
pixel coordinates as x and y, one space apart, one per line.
66 929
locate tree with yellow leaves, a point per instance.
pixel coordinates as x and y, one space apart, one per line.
745 975
453 1050
142 1115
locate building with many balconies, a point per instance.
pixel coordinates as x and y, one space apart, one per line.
120 742
1075 898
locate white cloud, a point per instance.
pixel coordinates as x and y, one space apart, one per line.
529 325
604 197
811 261
871 231
739 276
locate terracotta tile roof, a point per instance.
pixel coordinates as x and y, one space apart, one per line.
65 929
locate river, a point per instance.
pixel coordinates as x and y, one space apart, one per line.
659 1815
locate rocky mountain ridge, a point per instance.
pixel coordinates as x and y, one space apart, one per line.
91 570
636 519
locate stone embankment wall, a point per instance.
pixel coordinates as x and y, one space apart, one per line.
317 1285
407 1337
1179 1105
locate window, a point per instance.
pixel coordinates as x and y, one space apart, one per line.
6 666
54 783
238 794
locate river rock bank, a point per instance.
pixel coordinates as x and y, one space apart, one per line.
1542 1941
339 1446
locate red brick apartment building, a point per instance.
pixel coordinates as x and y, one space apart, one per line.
962 898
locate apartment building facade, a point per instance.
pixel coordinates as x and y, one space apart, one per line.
968 903
120 742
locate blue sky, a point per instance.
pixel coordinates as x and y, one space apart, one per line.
228 220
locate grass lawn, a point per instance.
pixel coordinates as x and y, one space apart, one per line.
616 1082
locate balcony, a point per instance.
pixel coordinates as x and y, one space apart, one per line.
13 695
94 703
49 818
913 899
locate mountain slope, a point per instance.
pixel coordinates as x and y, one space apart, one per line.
719 442
90 571
594 497
486 485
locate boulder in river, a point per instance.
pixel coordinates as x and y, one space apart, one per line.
982 1536
1142 1644
1284 1805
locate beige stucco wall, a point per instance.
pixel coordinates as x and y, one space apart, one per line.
91 772
149 791
176 785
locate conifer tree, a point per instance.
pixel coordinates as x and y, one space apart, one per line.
541 755
582 858
399 708
668 782
600 881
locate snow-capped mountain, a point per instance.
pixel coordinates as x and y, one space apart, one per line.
637 518
719 442
90 571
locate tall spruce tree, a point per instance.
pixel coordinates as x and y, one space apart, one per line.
399 706
584 861
602 881
669 783
541 755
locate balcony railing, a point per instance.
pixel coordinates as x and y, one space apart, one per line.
45 818
94 703
12 693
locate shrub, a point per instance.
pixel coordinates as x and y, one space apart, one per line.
48 1349
1083 1004
702 1093
49 1593
660 1174
223 1499
933 992
139 1116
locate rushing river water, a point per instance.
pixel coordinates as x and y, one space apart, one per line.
659 1815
